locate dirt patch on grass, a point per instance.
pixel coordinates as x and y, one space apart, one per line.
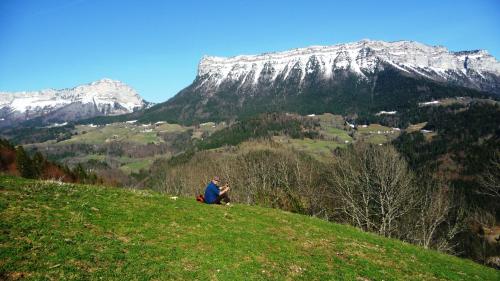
189 265
295 270
123 239
317 244
83 266
15 275
362 245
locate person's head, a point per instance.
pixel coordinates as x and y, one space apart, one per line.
216 180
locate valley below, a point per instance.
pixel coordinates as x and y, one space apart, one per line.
127 148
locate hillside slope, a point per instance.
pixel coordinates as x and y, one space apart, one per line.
68 232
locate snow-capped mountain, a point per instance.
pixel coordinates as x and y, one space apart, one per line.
475 69
361 77
103 97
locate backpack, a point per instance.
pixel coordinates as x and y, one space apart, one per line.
200 198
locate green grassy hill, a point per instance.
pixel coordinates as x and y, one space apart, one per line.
52 231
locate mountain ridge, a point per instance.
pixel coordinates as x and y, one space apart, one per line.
359 78
362 57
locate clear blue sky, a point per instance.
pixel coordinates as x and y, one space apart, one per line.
155 46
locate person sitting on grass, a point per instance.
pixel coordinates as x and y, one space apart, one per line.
214 195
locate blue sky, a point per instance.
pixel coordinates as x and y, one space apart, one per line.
155 46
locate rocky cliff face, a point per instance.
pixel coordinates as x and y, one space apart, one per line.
473 69
360 77
103 97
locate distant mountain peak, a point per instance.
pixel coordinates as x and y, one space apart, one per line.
103 97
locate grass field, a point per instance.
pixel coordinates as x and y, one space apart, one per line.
114 132
52 231
315 146
134 165
331 127
320 149
170 128
342 135
373 129
376 134
415 127
329 119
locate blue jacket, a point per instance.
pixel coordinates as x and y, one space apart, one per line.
211 193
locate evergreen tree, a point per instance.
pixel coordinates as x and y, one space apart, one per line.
6 144
24 164
80 173
39 163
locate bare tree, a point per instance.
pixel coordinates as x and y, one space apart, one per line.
375 188
394 186
489 180
432 225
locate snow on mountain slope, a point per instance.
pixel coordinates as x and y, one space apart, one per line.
474 69
101 93
103 97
